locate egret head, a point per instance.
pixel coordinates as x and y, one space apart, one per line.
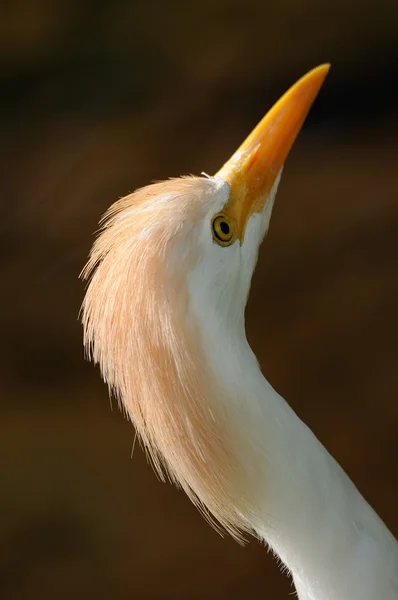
171 269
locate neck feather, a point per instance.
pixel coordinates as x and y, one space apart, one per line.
302 503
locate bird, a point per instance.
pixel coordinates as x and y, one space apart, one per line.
163 315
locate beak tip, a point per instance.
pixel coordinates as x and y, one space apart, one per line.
322 69
312 82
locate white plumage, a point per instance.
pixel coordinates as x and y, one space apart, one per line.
164 317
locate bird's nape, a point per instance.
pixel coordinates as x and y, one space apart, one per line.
136 326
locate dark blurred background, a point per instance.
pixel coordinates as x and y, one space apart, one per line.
100 97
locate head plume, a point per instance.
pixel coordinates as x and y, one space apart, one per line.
136 328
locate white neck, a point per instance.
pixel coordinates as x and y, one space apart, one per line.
311 514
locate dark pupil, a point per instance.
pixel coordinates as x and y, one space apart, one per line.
224 227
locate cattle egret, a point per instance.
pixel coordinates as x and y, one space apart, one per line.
163 315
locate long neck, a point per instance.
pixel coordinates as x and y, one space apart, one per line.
310 512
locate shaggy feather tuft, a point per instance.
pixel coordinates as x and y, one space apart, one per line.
135 327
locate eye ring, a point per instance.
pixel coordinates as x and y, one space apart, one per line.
222 230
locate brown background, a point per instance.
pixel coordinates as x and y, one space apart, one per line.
98 98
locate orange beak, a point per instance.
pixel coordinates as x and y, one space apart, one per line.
252 169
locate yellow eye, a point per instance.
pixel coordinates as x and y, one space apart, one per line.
222 230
